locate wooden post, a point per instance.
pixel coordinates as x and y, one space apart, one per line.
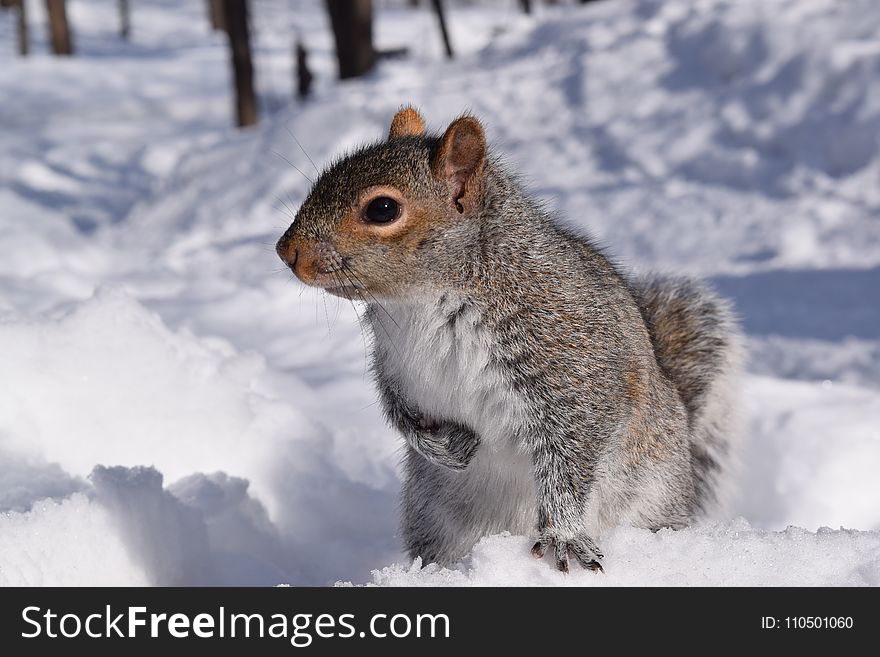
59 29
352 22
441 18
235 14
124 19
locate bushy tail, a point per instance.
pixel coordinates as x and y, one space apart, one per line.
699 347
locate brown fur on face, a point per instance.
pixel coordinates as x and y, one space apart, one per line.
313 262
355 246
436 182
400 240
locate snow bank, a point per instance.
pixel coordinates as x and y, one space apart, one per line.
257 495
69 543
715 555
108 382
811 455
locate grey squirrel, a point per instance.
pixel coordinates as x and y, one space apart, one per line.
539 389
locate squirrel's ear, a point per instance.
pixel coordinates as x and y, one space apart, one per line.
460 160
407 122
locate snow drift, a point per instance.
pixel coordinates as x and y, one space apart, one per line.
711 555
109 383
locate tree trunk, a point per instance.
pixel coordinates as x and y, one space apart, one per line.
526 6
352 22
216 14
59 29
124 19
235 14
24 40
441 18
303 74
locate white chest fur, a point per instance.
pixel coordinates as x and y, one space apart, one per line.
441 358
440 355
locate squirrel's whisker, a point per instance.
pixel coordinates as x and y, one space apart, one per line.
372 297
361 321
326 314
364 294
302 149
339 283
311 182
288 212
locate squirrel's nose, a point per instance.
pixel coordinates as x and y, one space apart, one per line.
286 250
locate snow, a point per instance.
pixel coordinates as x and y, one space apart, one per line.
69 543
711 555
109 383
174 409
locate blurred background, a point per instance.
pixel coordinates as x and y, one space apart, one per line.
175 409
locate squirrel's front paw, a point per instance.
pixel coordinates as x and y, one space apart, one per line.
581 547
447 444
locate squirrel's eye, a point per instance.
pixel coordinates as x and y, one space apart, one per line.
382 210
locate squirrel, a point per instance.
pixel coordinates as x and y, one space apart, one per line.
540 390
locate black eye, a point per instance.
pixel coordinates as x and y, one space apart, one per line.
382 210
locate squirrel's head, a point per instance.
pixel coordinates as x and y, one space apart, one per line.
376 222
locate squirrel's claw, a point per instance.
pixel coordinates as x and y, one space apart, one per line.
538 549
583 549
587 555
562 558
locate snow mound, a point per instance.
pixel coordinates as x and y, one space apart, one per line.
811 455
713 555
69 543
257 494
109 382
